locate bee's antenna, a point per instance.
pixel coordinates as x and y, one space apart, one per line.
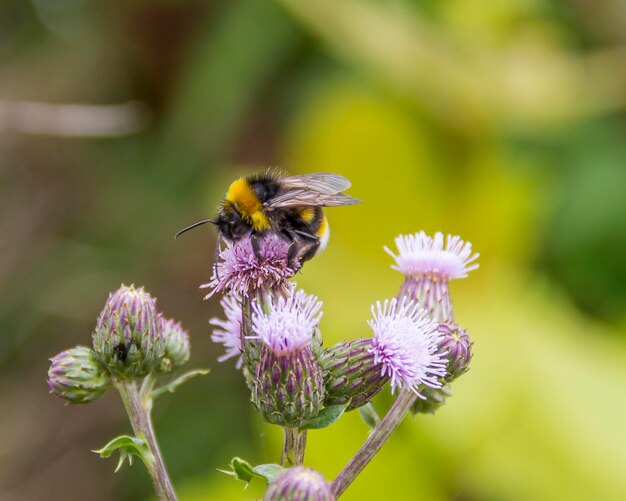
192 226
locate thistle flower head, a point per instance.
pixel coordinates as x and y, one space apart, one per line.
76 376
299 484
243 271
405 345
284 374
420 255
228 332
455 346
287 324
177 346
128 339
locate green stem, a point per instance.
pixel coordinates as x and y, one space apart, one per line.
139 415
374 442
293 447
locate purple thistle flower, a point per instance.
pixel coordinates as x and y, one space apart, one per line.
289 323
405 345
420 255
299 484
239 270
429 263
282 370
229 332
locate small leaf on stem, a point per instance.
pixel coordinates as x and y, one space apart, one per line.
369 415
326 417
171 387
242 470
127 446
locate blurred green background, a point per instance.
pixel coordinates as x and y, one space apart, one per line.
502 122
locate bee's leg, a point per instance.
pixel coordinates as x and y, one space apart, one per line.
292 254
311 251
311 243
290 236
293 248
256 247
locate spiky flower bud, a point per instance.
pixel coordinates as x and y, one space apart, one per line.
299 484
128 339
351 375
76 376
456 347
177 347
285 378
433 399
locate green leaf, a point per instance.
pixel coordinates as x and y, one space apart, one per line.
127 447
171 387
369 415
326 417
269 471
242 470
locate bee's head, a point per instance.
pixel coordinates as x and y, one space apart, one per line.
230 223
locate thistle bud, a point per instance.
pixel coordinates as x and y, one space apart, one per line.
299 484
128 339
287 384
288 390
455 346
351 375
433 399
177 347
76 376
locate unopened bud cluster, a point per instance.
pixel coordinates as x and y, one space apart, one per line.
131 339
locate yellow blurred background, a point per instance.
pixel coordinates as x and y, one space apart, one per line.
503 122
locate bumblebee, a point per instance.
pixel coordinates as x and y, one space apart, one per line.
290 206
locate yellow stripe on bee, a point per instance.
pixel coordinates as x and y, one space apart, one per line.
323 234
307 214
323 227
259 221
243 197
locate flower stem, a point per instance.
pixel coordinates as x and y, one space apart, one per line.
374 442
139 414
293 447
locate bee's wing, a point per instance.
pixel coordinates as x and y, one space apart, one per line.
296 198
321 182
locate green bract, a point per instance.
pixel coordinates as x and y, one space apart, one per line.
287 390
